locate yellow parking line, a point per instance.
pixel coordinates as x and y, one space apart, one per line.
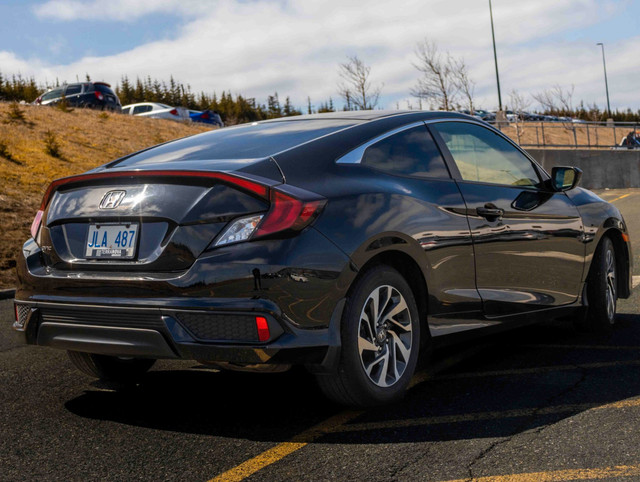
330 425
556 475
281 450
585 347
621 197
481 416
338 423
536 370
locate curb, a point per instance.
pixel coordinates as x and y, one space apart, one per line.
7 294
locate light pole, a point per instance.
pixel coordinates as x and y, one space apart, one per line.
606 84
495 57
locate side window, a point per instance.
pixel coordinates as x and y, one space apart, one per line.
54 94
126 110
412 152
139 109
73 89
482 155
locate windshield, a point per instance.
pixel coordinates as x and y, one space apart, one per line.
248 141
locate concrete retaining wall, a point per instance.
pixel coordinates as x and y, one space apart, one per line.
601 168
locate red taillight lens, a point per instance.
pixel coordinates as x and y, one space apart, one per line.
35 225
288 212
263 328
38 100
173 112
205 116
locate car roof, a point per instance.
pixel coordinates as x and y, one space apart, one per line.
367 115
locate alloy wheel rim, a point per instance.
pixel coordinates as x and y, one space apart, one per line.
385 336
611 285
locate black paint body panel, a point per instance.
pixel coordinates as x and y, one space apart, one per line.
476 272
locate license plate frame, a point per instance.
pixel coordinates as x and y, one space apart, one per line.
97 246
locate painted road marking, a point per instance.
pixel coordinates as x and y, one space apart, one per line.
330 425
280 451
636 281
481 416
585 347
536 370
621 197
556 475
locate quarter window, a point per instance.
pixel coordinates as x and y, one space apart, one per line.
411 153
484 156
73 89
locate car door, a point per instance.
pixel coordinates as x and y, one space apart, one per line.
528 239
433 213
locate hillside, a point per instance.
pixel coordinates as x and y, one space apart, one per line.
86 139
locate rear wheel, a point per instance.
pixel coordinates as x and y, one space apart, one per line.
602 292
380 342
110 368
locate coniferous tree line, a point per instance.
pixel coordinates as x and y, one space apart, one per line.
237 108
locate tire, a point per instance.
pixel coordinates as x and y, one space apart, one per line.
394 344
110 368
601 290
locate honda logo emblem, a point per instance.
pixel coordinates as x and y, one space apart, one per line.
112 199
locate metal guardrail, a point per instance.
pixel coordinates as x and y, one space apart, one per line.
586 135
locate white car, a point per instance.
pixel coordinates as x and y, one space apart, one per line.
158 111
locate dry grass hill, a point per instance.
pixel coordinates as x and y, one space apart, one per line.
39 144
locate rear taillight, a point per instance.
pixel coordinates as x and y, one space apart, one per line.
98 95
173 112
35 225
288 212
205 116
38 100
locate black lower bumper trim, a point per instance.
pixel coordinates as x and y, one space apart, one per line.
102 340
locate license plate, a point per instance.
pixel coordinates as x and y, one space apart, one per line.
112 241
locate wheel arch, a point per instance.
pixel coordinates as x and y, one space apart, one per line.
410 270
622 259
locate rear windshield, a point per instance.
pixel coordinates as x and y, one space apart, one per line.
103 88
248 141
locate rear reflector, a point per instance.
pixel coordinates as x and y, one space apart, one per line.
263 328
625 237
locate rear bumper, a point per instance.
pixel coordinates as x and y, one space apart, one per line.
162 331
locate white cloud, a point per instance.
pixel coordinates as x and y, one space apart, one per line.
122 10
259 46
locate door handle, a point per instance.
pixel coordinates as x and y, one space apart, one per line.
490 211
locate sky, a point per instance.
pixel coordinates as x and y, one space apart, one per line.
257 47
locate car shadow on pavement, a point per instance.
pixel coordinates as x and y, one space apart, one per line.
526 379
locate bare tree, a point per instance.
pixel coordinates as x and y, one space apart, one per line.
556 100
437 82
463 83
518 104
356 88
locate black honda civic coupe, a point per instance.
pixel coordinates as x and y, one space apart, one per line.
349 243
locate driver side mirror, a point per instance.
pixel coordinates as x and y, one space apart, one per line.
565 178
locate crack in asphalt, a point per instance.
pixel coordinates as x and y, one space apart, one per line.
522 428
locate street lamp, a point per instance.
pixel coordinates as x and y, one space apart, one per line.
606 84
495 57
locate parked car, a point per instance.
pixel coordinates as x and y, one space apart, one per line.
94 95
157 111
348 242
206 117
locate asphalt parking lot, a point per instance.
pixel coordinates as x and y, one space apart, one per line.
539 403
